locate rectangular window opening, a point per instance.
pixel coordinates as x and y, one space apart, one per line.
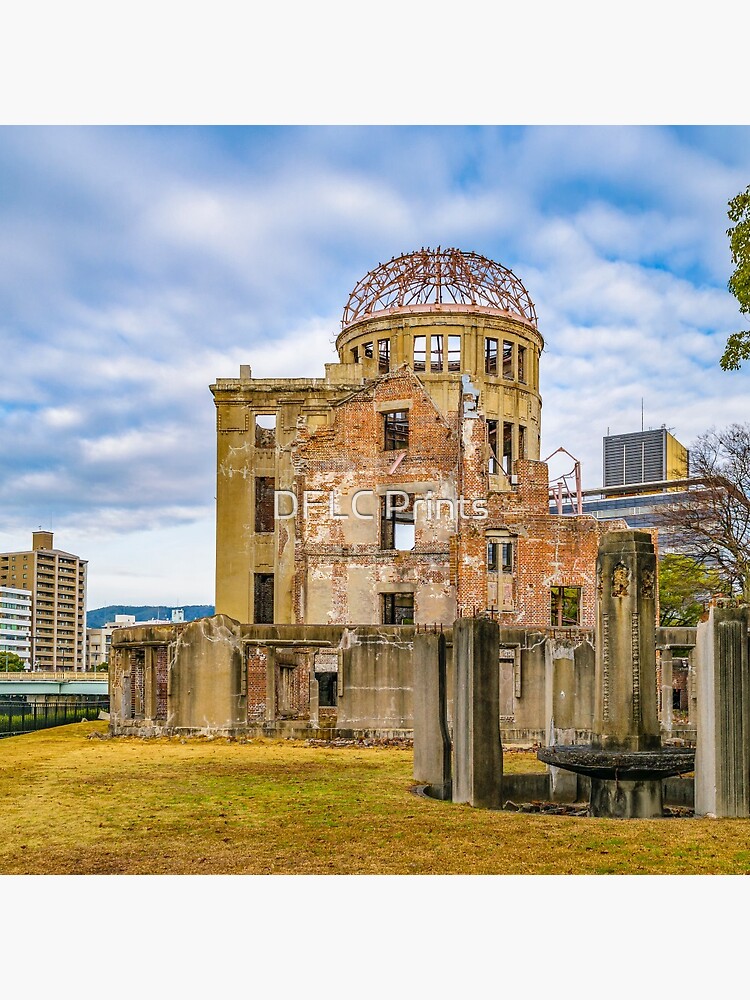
384 355
264 494
398 609
506 554
397 526
327 689
521 364
490 355
396 430
420 355
507 359
565 606
355 355
436 353
507 449
492 464
521 441
454 354
492 556
263 599
265 430
368 350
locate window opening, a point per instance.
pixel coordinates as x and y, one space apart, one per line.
507 359
265 430
507 448
521 364
327 689
263 599
420 356
521 441
264 505
436 353
384 355
492 465
565 606
396 430
397 526
490 355
398 609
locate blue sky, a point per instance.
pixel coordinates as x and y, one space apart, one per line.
139 264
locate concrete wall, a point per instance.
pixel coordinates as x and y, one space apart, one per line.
218 675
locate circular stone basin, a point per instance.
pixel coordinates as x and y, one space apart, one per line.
625 765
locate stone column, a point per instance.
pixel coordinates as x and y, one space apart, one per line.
625 715
667 692
625 711
478 754
722 760
314 696
432 745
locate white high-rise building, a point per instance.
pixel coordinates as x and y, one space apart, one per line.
15 623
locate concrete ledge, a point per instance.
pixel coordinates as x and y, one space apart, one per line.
526 787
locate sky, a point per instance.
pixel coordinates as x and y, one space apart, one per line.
139 264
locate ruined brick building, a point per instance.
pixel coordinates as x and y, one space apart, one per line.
402 489
434 400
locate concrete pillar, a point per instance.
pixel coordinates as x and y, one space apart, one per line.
478 754
722 760
432 745
666 691
692 689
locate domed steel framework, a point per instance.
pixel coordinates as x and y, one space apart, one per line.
432 277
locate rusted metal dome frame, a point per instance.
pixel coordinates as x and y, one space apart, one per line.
439 277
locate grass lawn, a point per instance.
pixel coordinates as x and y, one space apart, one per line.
73 805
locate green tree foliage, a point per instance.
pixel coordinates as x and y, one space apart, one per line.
738 344
684 589
10 661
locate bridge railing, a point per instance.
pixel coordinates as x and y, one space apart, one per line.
95 676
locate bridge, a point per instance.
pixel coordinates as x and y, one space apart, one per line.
55 682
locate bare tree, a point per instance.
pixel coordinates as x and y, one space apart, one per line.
710 521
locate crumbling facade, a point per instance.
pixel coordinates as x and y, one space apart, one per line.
402 491
405 486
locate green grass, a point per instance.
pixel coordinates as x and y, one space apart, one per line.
90 806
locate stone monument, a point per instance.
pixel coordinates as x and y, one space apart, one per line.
625 761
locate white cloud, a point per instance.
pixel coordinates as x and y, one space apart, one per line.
138 266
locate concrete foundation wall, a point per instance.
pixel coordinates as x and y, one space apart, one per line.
219 675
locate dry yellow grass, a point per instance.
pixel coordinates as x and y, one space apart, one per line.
89 806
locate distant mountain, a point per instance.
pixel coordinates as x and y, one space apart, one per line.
100 616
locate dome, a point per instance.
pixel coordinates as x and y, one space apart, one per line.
439 277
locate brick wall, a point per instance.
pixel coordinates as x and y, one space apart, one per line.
256 684
448 452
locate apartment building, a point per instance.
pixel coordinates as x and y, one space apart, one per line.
57 583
